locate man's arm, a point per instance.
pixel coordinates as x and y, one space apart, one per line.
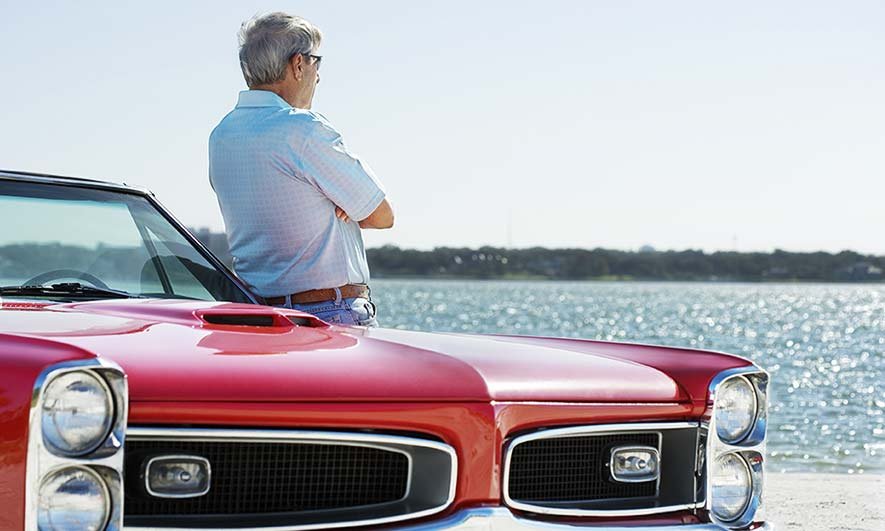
381 218
348 183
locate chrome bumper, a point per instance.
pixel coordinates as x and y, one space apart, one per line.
501 519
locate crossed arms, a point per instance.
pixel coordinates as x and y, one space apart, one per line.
380 218
345 180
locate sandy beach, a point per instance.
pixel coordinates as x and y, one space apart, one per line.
824 502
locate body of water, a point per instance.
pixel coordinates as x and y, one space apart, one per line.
823 344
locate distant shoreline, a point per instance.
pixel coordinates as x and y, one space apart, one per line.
647 264
606 264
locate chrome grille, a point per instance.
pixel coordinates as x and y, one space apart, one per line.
574 469
566 471
271 478
267 477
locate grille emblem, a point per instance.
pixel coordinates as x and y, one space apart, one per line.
635 464
177 476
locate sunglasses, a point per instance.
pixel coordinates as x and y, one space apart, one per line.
317 59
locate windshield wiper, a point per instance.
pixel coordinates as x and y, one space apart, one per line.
68 288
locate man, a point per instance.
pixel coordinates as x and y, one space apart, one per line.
292 196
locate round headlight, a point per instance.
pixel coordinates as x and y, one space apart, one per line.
78 412
735 409
731 487
73 498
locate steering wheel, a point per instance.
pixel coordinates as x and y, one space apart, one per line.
56 274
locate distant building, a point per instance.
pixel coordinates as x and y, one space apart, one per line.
860 271
646 249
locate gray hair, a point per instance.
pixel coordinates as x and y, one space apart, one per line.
267 42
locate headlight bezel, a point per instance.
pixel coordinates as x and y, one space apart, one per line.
106 460
105 429
750 447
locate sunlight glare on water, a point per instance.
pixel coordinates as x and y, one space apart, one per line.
823 344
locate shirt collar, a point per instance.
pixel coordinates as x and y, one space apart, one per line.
261 98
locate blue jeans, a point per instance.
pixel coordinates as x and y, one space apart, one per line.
354 311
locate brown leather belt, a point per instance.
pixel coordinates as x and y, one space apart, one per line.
321 295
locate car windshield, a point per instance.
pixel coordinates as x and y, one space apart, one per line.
76 238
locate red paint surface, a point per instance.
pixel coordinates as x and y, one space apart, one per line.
22 359
472 392
164 345
692 369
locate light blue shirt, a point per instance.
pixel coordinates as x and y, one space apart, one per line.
278 173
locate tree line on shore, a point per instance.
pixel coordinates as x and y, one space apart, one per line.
584 264
601 264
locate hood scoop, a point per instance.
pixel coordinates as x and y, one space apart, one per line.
240 320
261 319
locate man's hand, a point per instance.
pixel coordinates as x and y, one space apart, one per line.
340 214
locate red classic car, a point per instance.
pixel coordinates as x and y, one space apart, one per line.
143 387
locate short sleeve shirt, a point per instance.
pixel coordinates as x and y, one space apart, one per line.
278 173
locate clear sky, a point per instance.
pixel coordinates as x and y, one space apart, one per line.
681 124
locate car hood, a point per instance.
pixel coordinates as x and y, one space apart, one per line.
198 351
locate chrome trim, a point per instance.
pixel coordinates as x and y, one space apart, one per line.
577 431
502 519
650 449
292 437
758 378
147 479
139 188
750 448
105 461
308 437
21 176
582 403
